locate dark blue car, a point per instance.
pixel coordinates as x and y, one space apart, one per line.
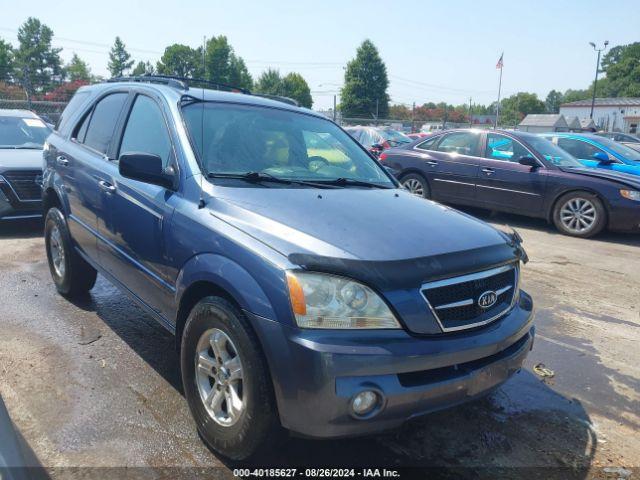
306 290
521 173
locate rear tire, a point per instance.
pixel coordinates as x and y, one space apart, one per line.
72 275
416 184
221 359
579 214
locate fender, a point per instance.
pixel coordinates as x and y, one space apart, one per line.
228 275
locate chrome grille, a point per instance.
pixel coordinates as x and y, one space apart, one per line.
455 302
24 184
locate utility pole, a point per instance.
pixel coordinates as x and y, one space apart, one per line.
334 108
470 120
595 82
377 102
444 118
413 117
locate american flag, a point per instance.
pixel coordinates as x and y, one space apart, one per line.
500 63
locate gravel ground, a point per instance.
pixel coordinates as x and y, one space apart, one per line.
95 383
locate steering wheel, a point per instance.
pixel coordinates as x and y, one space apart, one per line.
316 162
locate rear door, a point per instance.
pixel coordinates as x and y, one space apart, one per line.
80 161
452 166
504 184
133 246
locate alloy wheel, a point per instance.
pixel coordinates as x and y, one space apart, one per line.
578 215
56 248
219 377
414 186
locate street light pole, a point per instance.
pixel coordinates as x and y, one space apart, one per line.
595 82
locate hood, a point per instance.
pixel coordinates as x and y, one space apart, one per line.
626 179
11 159
351 223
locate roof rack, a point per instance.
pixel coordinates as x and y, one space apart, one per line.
278 98
183 83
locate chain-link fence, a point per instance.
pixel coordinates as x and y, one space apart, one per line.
49 111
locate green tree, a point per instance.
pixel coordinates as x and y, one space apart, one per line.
295 86
119 59
6 60
143 68
77 69
622 67
572 95
37 63
365 84
223 66
181 60
269 83
553 101
514 108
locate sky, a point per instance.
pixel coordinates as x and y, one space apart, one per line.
434 50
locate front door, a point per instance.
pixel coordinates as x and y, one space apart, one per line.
81 164
133 249
504 184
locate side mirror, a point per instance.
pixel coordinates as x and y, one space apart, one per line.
602 157
145 167
529 161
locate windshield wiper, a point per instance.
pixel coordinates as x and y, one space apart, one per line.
350 182
259 177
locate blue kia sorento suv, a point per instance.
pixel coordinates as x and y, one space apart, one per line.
307 291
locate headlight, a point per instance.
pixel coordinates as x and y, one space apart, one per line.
327 301
631 194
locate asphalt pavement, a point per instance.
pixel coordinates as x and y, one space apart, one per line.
95 385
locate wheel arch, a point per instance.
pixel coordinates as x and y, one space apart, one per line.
556 199
212 274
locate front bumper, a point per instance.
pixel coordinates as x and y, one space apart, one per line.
316 373
625 217
11 208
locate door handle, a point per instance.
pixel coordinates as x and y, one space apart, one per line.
433 163
106 186
488 171
62 161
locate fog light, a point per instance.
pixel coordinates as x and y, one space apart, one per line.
364 402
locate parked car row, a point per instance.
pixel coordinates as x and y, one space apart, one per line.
521 173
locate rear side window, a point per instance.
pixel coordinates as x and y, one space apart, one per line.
103 122
146 131
429 144
578 148
75 103
462 143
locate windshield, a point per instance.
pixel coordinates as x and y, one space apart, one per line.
17 132
395 137
625 152
552 153
236 139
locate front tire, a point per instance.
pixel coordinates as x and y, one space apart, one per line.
416 184
579 214
71 274
226 381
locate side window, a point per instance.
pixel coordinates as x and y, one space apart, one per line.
146 131
504 148
462 143
428 144
75 103
81 129
103 122
578 148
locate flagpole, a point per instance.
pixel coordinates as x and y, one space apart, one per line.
498 104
